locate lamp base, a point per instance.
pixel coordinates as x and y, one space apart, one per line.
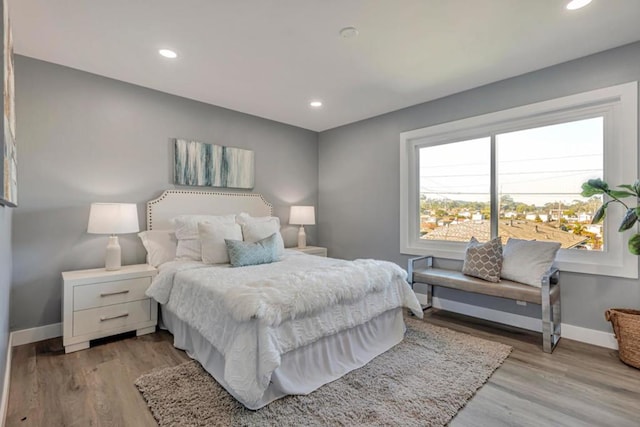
302 238
113 259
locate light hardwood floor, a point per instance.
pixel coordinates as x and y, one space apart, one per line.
577 385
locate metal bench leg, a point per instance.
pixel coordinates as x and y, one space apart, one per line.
557 319
550 318
547 326
428 263
429 298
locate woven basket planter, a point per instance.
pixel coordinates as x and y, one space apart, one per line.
626 326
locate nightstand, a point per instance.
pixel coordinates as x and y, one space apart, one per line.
313 250
98 303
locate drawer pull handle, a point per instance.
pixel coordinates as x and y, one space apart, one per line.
108 294
105 318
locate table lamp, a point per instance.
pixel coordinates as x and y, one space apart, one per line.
302 215
113 218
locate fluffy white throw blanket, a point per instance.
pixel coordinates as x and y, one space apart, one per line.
289 296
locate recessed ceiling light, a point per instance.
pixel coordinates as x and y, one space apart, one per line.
348 32
577 4
316 104
168 53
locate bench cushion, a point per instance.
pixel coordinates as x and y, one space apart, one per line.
504 288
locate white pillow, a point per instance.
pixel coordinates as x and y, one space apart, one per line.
258 228
526 261
244 218
186 227
212 236
160 246
189 249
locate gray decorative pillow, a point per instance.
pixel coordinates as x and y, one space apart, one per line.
526 261
483 260
252 253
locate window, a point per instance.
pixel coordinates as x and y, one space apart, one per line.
517 173
455 191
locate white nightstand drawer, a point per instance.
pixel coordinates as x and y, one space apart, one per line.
111 317
107 293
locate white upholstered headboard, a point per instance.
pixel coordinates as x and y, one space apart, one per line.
180 202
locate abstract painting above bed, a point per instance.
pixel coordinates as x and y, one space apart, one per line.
210 165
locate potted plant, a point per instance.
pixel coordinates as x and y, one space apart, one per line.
625 322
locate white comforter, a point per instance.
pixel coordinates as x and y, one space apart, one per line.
253 315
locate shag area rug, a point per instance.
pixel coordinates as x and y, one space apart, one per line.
423 381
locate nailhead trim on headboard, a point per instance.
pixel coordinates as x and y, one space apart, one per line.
168 193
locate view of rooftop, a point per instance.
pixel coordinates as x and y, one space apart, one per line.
459 221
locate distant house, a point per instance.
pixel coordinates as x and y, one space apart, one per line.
584 217
595 229
533 216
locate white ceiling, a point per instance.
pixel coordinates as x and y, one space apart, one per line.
271 57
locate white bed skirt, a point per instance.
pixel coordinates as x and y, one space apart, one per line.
304 369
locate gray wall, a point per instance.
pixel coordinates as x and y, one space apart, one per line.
86 138
5 285
360 179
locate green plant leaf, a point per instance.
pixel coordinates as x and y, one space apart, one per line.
620 194
630 188
636 187
598 183
629 219
594 186
634 244
600 214
588 191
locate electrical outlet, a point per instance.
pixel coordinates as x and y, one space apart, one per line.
523 303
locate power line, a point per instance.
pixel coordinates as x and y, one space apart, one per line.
512 173
510 193
514 161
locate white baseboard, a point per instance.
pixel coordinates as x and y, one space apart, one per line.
27 336
4 399
576 333
590 336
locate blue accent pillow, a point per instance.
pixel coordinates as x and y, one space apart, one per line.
247 253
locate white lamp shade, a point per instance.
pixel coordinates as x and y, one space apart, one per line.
113 218
302 215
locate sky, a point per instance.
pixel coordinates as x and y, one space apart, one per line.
535 166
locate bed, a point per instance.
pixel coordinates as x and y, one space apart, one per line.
270 330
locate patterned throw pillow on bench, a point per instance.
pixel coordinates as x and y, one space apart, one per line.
483 260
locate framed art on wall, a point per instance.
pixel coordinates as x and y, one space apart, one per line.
201 164
8 158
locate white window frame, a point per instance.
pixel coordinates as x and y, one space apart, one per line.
619 106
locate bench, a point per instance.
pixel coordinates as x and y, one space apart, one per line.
421 270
